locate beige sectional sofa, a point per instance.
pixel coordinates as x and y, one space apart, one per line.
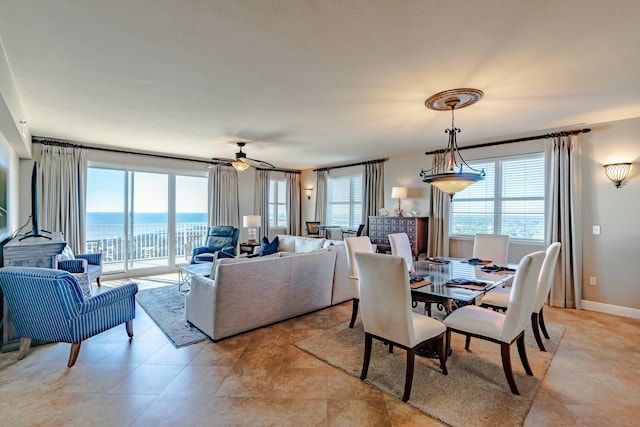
246 293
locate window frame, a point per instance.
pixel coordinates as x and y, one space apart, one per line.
351 202
498 199
273 206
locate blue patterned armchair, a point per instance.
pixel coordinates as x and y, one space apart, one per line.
47 305
84 263
219 238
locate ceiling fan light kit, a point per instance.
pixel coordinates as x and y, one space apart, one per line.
242 162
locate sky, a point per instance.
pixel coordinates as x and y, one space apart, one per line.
106 190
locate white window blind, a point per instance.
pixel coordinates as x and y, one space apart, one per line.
344 200
510 200
277 203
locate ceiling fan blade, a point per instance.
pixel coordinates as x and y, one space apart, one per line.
222 160
259 163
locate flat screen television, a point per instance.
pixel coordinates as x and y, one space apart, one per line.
35 228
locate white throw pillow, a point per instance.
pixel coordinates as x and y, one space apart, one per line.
85 283
66 254
304 244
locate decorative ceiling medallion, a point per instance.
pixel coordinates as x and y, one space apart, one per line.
460 98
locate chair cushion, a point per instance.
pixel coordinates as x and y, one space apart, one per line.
268 248
425 327
221 230
476 320
498 297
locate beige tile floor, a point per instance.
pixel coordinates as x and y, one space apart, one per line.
261 378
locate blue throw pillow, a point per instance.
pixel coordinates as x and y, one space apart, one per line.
267 248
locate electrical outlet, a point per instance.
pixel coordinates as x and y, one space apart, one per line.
593 281
596 229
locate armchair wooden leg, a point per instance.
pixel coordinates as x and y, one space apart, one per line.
523 354
129 326
542 325
25 343
75 349
506 366
536 331
98 281
354 312
368 340
408 379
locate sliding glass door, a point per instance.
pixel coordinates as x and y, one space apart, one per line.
143 220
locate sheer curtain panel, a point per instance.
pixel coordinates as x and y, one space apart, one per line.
223 196
373 189
563 221
293 202
322 177
62 179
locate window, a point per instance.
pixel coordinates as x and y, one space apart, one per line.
344 201
510 200
277 203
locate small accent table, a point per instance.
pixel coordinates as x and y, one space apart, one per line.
186 271
247 248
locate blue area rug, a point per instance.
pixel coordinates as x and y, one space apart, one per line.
165 305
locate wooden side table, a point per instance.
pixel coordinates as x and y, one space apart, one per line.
247 248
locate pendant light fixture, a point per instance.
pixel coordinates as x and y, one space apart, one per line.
454 179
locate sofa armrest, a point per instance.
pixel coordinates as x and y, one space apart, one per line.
73 265
106 298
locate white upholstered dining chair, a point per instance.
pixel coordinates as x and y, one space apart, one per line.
498 299
401 246
353 245
385 306
503 328
492 247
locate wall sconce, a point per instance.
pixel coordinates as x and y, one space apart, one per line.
617 172
399 193
308 191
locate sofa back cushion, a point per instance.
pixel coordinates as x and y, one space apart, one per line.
289 243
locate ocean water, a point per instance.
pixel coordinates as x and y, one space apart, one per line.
117 218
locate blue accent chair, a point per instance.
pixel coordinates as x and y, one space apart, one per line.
47 305
219 238
84 263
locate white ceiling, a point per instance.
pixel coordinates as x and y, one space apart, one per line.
311 83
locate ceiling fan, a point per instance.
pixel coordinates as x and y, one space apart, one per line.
242 162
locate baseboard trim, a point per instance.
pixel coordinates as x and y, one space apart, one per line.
634 313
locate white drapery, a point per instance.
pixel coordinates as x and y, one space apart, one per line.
293 203
62 180
224 206
373 189
439 204
322 177
261 199
563 221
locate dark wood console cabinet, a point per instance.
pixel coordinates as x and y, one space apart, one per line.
415 227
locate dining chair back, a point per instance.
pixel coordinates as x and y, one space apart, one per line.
493 247
353 245
313 228
387 314
400 246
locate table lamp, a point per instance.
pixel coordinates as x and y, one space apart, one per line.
399 193
251 222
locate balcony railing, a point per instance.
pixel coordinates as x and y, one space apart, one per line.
149 241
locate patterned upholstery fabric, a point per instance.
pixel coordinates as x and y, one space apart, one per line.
48 305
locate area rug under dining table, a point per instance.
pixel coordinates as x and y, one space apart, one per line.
475 393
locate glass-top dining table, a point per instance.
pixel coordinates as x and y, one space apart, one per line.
454 282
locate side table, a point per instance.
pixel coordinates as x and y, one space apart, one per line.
247 248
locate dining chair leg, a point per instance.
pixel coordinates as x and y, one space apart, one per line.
368 340
523 354
542 325
536 331
354 312
408 379
442 353
448 342
506 366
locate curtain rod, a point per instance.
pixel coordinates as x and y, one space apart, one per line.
509 141
60 143
370 162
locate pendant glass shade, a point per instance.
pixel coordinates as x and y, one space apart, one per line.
453 182
239 165
617 172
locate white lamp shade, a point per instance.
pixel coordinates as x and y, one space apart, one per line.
399 193
251 221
